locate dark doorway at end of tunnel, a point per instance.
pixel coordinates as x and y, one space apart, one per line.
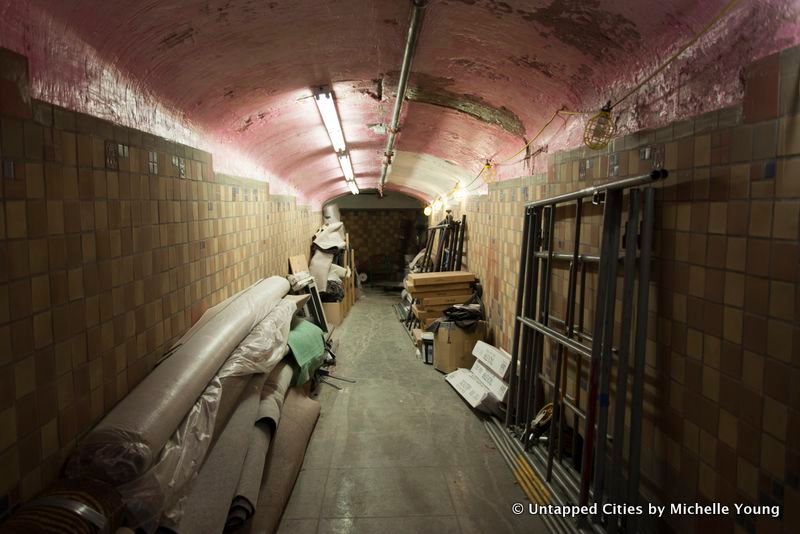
387 232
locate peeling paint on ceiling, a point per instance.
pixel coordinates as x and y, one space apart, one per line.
234 76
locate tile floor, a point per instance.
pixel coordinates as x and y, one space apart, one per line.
398 451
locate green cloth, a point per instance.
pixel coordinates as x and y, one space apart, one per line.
308 350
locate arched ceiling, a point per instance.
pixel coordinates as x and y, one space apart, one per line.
235 76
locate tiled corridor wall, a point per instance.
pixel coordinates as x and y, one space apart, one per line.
722 406
113 243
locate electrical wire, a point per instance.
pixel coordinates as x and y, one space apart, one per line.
563 112
725 10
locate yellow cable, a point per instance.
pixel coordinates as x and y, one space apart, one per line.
725 10
683 49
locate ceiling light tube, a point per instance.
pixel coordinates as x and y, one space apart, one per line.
347 166
353 187
327 110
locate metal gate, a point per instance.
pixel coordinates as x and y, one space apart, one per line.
539 333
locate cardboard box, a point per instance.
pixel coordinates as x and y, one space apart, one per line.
493 358
453 346
493 383
334 313
472 390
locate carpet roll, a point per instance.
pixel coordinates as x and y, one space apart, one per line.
285 458
205 508
272 398
125 444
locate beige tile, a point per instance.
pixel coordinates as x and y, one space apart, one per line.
753 371
9 470
747 478
711 383
25 376
42 330
760 218
728 428
75 283
782 300
736 259
773 456
734 289
712 351
55 217
717 217
16 219
787 184
702 150
49 436
40 293
732 325
789 136
697 281
787 220
8 427
776 417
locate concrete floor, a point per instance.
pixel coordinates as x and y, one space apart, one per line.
399 451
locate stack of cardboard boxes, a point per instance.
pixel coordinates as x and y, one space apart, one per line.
484 386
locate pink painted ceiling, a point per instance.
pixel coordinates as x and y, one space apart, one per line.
235 76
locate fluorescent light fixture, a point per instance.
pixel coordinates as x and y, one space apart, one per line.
347 166
327 110
353 187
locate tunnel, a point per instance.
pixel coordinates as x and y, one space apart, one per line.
412 266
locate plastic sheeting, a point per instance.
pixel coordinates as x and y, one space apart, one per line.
319 267
125 444
206 506
259 353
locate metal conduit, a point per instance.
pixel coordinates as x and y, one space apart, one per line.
402 84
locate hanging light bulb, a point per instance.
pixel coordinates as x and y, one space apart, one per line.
599 129
427 211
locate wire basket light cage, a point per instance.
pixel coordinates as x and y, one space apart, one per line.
599 129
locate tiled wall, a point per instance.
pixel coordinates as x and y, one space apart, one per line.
722 407
106 258
378 236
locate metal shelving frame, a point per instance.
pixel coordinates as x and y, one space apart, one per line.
567 337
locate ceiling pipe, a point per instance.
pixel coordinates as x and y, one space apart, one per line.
402 84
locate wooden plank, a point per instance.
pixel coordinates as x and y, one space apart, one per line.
461 290
298 264
425 314
428 279
299 300
450 300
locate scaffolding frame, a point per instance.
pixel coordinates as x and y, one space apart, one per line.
568 337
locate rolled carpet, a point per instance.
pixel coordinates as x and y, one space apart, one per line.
205 508
285 458
269 412
163 488
125 444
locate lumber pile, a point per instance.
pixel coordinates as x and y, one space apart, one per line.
435 292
